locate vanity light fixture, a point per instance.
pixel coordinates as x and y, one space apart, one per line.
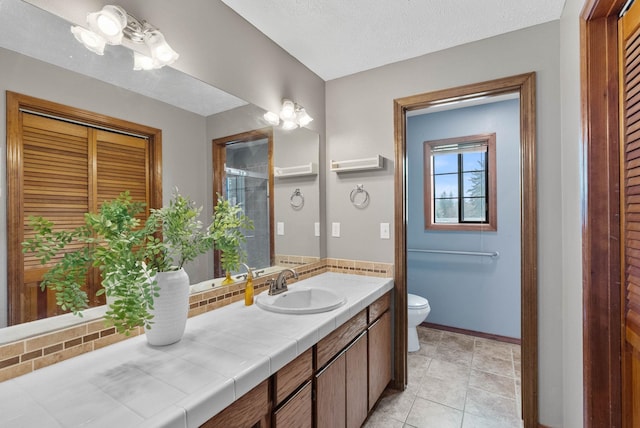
114 26
292 115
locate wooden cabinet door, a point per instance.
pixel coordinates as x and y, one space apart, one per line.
297 412
331 394
356 382
379 357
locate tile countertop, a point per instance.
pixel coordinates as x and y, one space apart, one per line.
224 354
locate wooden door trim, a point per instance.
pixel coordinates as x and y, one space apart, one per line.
525 85
601 255
16 102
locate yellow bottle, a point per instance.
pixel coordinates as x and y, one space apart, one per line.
248 290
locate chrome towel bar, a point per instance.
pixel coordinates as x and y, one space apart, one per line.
492 254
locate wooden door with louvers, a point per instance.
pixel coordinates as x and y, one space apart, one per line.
629 41
67 170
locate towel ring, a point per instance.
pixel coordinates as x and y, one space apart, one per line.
297 200
363 200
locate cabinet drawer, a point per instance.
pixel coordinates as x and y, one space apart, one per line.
291 376
331 345
246 411
378 307
297 412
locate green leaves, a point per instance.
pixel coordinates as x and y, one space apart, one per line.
226 229
129 253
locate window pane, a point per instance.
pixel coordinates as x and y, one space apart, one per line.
474 184
445 163
473 161
474 209
445 186
446 211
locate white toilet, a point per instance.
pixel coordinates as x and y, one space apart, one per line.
418 310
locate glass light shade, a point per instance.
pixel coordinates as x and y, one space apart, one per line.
92 41
288 111
142 62
288 125
109 23
161 52
271 118
303 118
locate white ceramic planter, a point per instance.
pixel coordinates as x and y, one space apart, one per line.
170 308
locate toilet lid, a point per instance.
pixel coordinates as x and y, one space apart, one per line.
416 302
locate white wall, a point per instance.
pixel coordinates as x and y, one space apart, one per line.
360 124
571 214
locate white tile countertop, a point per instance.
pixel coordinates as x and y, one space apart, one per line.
224 353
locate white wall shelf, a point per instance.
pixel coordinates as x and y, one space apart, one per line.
364 164
296 171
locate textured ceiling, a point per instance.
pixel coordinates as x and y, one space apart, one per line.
335 38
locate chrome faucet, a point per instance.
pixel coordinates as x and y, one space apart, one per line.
279 285
249 273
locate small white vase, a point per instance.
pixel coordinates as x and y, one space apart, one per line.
170 309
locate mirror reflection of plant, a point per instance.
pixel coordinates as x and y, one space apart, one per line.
114 241
229 221
184 236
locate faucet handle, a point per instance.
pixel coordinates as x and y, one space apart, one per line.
273 286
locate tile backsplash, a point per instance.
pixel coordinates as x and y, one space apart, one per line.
24 356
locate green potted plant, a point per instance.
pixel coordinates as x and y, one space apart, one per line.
227 226
141 264
114 241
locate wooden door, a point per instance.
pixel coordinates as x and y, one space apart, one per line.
379 357
357 382
67 170
331 395
629 51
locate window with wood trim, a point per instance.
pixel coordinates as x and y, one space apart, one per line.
61 163
460 183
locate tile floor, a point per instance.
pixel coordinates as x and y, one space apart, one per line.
455 381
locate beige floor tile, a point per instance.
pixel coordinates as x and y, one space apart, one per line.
494 348
427 414
426 334
417 367
427 349
457 341
444 391
501 385
396 405
484 403
473 421
382 420
448 371
491 364
453 354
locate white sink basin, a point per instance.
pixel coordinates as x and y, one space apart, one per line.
301 301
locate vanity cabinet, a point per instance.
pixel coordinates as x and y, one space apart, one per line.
379 334
359 367
250 410
292 388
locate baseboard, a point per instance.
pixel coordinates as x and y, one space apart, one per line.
476 334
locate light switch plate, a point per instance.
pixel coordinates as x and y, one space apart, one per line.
335 230
384 230
316 228
280 228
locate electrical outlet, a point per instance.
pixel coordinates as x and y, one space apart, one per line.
384 230
335 230
316 228
280 228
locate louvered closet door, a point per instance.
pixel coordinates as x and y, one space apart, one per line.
630 63
68 170
55 185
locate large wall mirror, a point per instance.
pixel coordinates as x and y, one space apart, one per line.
49 64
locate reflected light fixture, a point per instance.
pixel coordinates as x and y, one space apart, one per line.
292 115
113 25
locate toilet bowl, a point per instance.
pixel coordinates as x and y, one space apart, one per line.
417 311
